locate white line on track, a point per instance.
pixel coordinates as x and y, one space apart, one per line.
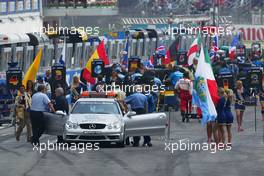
3 134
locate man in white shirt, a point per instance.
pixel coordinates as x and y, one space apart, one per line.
40 103
185 87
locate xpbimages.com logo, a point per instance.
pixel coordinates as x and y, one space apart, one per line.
79 147
146 89
187 145
195 30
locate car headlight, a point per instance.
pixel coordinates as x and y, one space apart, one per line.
71 125
114 125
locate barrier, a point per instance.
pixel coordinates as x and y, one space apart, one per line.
77 54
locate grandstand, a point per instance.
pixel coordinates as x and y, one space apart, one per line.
240 10
58 8
79 3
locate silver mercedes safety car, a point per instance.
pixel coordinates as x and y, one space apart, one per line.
101 119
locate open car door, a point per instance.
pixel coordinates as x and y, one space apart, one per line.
54 123
153 124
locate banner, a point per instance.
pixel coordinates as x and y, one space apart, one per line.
250 33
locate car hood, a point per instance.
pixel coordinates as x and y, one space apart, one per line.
94 118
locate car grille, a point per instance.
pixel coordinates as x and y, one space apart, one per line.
92 126
113 137
71 136
92 137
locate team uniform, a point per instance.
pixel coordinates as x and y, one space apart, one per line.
185 87
240 100
224 114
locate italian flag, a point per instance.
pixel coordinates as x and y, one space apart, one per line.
99 53
193 50
208 93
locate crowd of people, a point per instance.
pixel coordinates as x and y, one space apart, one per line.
36 98
85 3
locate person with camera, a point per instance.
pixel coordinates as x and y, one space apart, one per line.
23 103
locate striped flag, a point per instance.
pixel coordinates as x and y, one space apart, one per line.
160 53
33 69
99 53
168 55
161 50
232 48
205 88
193 50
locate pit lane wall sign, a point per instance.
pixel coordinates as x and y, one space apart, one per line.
250 34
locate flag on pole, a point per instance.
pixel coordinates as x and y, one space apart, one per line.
99 53
232 48
174 48
160 53
169 54
63 54
161 50
125 53
193 50
205 93
33 69
214 47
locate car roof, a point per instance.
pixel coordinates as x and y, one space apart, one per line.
97 99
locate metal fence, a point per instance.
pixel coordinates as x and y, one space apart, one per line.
76 54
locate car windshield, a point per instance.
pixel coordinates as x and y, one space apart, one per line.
95 107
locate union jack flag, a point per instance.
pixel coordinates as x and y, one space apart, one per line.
161 50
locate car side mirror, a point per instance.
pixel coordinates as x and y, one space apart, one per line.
131 113
60 113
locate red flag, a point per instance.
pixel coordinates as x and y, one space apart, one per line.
167 59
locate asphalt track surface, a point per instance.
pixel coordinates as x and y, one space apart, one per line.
245 158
